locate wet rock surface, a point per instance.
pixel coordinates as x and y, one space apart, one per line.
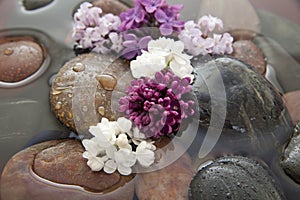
255 113
88 88
111 6
44 170
234 177
173 181
292 102
247 51
20 57
291 157
35 4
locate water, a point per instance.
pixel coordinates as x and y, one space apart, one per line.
26 117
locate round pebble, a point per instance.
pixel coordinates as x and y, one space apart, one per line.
236 178
20 57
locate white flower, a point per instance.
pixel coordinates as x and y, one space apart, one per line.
123 142
92 146
162 53
94 162
145 154
104 132
123 125
147 64
121 160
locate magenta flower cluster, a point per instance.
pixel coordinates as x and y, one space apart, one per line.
153 13
157 106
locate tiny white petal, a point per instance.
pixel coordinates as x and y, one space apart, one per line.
124 170
125 157
110 166
124 124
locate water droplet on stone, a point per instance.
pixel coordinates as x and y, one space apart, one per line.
108 82
70 95
79 67
77 118
101 110
55 92
58 105
70 115
8 51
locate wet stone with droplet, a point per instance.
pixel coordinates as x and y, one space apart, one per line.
256 120
20 57
241 178
85 85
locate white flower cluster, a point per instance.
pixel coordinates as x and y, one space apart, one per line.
111 147
96 32
204 42
162 53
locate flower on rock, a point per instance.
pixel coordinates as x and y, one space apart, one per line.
153 13
96 32
112 147
198 38
157 106
162 53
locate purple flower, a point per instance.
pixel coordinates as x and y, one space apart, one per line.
134 45
156 106
152 5
168 17
132 18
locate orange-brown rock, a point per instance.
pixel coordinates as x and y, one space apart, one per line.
20 57
171 182
292 102
247 51
56 170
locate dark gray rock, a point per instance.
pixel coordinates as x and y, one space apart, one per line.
291 158
256 118
234 177
35 4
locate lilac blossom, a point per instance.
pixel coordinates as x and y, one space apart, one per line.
95 32
149 13
197 42
156 106
134 45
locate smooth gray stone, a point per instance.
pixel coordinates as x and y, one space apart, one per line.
235 178
35 4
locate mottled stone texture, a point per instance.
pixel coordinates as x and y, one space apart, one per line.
292 102
111 6
57 170
20 57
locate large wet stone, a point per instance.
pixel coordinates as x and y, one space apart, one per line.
235 178
291 157
20 57
87 88
57 170
229 92
292 102
35 4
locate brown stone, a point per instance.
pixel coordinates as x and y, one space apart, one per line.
247 51
171 182
292 102
111 6
56 170
20 57
242 34
87 88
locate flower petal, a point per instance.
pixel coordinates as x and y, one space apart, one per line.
110 166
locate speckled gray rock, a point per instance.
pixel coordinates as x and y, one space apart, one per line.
235 178
35 4
255 113
291 158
